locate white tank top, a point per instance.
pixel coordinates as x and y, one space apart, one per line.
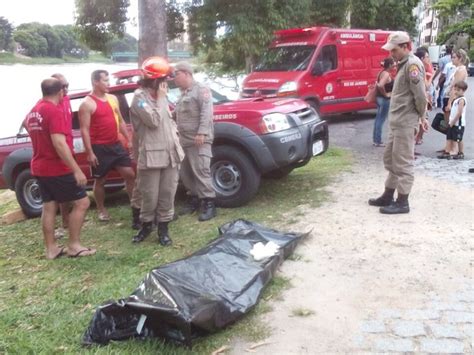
454 111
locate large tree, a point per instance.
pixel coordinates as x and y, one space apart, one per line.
6 34
152 38
41 40
383 14
457 16
99 21
234 33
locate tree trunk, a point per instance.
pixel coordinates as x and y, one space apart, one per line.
152 29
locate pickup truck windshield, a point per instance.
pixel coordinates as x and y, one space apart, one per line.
289 58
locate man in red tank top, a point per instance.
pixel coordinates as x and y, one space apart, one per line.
101 122
66 106
59 177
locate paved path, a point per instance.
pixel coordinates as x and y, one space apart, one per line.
371 283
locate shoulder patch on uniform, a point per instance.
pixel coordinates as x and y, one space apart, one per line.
141 103
414 71
205 93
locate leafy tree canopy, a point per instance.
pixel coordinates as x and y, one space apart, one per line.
6 33
103 21
41 40
449 9
232 34
99 20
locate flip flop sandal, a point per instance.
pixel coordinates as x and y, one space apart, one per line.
103 217
80 252
62 252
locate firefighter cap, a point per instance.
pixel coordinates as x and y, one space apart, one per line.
396 38
184 66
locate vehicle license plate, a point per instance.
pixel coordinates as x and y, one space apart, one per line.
317 147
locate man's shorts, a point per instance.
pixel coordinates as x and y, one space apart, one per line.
455 133
60 188
109 157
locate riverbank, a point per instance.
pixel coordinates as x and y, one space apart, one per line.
11 58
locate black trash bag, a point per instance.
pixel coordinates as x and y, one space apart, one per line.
199 294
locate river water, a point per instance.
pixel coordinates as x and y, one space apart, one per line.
20 87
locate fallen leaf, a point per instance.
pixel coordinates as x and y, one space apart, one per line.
256 345
220 350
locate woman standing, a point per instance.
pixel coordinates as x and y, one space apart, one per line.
384 89
460 60
424 56
159 151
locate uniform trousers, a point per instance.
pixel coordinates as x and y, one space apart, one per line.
398 159
196 172
158 190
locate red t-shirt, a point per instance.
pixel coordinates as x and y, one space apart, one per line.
103 126
45 119
66 105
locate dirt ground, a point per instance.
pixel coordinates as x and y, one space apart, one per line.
359 264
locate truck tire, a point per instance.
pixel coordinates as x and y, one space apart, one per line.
28 194
234 176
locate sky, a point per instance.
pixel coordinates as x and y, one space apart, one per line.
52 12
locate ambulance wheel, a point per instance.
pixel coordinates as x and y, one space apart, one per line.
234 176
28 194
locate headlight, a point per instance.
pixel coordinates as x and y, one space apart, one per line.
288 88
274 122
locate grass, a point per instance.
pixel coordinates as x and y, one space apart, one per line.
10 58
45 306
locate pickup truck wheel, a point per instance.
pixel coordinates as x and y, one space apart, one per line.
28 194
234 177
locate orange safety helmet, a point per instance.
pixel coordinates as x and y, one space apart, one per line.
156 67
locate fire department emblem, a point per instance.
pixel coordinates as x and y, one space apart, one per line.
329 88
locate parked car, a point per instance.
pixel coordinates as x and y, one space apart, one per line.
253 138
330 68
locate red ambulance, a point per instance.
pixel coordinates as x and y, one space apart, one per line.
330 68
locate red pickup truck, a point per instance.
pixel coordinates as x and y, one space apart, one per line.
253 138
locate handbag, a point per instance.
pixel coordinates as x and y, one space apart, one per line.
371 95
439 123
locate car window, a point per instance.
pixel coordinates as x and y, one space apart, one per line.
327 58
286 58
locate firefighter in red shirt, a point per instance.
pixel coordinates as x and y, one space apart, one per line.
66 105
101 122
59 177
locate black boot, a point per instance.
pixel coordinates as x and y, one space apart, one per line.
208 210
190 206
163 235
399 206
385 200
147 228
136 224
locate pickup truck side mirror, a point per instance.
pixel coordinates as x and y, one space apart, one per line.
318 69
